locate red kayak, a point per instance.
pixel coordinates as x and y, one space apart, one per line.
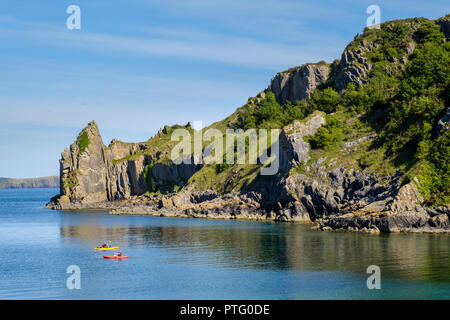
115 257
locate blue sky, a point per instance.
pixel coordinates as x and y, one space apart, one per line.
137 65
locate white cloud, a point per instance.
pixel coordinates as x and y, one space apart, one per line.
183 42
130 104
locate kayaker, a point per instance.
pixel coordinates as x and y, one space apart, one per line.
104 245
119 254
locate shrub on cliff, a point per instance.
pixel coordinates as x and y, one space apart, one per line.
329 135
148 176
269 114
325 100
83 141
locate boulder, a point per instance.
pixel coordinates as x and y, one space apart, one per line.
439 221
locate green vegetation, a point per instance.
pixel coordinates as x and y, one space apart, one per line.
71 181
160 145
148 176
222 167
268 114
329 135
235 177
300 169
399 104
168 130
435 176
326 100
83 141
131 157
420 101
402 104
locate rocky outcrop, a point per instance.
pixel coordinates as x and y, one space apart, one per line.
352 201
354 143
298 83
83 168
353 66
293 148
126 178
443 123
336 199
341 198
444 24
174 174
366 205
332 194
91 173
201 204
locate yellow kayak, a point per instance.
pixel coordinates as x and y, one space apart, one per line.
104 249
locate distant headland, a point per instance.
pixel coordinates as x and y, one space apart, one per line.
44 182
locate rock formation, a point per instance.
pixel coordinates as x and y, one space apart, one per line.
341 198
443 123
353 66
444 24
294 149
94 173
298 83
122 176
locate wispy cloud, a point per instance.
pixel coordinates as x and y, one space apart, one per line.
178 42
72 98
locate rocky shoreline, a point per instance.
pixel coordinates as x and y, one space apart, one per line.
332 197
208 205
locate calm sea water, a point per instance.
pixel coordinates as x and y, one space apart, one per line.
173 258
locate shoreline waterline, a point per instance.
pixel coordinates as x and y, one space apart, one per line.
315 226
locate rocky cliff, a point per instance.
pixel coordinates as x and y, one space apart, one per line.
298 83
91 172
335 169
341 198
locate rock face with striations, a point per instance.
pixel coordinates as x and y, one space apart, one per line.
298 83
444 24
294 149
83 169
444 123
92 173
353 66
333 194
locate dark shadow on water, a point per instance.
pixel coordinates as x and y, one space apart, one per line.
278 246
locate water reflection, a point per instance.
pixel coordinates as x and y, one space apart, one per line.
235 244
